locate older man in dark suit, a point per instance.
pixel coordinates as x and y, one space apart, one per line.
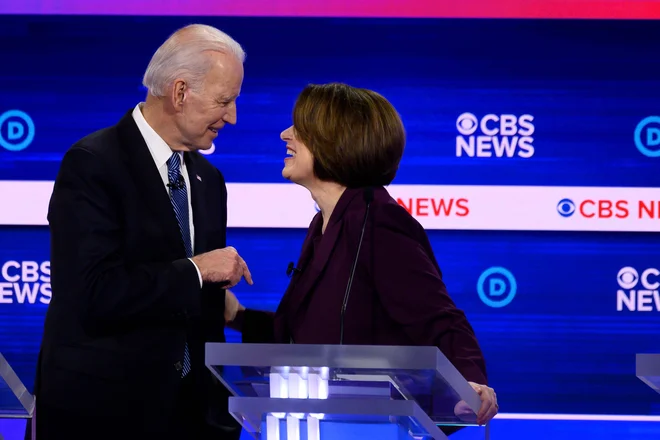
139 260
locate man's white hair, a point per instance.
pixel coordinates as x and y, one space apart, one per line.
182 56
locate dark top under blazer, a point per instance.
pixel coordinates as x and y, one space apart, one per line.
397 298
125 297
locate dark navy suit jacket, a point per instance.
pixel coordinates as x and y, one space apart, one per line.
125 297
397 297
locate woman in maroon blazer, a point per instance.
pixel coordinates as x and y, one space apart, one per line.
344 147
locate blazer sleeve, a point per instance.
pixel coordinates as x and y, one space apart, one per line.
256 326
410 287
86 237
214 293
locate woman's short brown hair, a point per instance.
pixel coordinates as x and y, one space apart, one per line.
355 135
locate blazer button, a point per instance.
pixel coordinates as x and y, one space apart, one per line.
178 366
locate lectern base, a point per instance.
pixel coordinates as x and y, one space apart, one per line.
302 430
317 419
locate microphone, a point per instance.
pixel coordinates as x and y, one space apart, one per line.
291 268
368 195
368 198
180 184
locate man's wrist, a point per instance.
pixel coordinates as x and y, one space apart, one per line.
199 273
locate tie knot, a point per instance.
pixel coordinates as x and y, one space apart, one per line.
174 163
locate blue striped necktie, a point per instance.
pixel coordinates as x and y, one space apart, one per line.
179 198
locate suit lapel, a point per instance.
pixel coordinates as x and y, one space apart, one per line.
314 269
197 202
148 180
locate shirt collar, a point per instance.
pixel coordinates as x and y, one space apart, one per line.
160 151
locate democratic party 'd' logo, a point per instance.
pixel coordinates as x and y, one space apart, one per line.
497 287
647 136
16 130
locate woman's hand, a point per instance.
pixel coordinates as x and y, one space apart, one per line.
232 306
489 406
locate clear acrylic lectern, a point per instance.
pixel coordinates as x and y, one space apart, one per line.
333 392
16 402
648 370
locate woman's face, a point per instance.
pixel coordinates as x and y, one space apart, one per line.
299 162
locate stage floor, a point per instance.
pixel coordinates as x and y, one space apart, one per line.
511 427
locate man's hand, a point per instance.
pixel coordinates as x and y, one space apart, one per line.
232 306
223 265
489 406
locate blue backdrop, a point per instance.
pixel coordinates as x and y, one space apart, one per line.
559 345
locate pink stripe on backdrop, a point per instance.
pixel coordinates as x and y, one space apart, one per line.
599 9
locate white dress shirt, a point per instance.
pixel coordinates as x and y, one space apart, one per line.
161 153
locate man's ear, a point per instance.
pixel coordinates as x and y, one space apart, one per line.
179 93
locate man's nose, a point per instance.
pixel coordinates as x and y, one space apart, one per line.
231 116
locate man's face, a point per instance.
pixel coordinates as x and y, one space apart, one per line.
204 112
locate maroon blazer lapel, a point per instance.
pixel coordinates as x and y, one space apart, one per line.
281 329
312 270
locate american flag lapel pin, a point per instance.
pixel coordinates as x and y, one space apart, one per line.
198 178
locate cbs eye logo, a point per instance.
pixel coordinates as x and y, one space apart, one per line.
649 279
16 130
566 207
627 278
466 124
